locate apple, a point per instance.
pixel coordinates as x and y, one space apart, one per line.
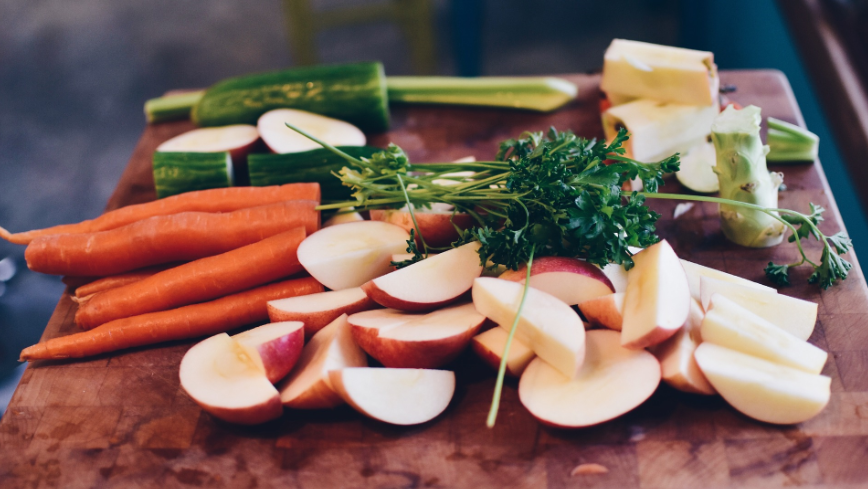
677 365
729 325
569 279
221 377
612 381
428 284
547 325
436 225
331 348
343 216
281 139
617 276
275 347
236 139
318 310
401 396
606 311
695 272
347 256
491 344
416 340
795 316
761 389
657 299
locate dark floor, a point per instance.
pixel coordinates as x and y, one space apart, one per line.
74 75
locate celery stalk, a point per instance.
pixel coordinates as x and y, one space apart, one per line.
172 107
789 142
539 94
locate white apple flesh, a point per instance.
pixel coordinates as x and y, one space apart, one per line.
236 139
275 347
547 325
347 256
416 340
677 365
761 389
695 272
428 284
617 275
281 139
489 346
612 381
606 311
569 279
343 216
222 378
400 396
318 310
308 385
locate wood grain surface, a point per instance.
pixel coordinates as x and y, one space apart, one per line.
122 420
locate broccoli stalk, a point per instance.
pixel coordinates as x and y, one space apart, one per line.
744 177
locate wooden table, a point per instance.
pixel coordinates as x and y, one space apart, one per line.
122 421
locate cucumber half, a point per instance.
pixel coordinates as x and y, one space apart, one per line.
175 173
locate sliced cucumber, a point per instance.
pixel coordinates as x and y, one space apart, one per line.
175 173
697 169
281 139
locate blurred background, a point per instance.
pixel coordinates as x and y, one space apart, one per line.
74 76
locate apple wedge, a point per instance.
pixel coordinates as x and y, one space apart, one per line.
332 348
794 316
617 275
695 272
428 284
606 311
281 139
436 225
343 216
236 139
401 396
729 325
318 310
677 365
222 378
490 345
347 256
414 340
657 299
761 389
612 381
569 279
547 325
274 347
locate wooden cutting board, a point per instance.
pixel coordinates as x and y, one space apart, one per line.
122 421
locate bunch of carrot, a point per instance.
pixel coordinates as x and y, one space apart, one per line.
190 265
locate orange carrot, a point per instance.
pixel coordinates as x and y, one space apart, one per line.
74 281
193 321
115 281
201 280
161 239
213 200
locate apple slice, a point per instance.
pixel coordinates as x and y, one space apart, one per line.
237 140
794 316
695 272
221 377
729 325
412 340
400 396
318 310
547 325
281 139
617 275
490 345
657 299
430 283
347 256
569 279
606 311
678 367
275 347
332 348
343 216
761 389
612 381
437 225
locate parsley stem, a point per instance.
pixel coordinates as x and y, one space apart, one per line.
501 372
412 214
326 145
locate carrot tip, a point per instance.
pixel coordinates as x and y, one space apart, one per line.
5 234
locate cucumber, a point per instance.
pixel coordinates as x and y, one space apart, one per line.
175 173
315 165
355 93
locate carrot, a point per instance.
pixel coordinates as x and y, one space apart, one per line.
74 281
193 321
213 200
161 239
201 280
115 281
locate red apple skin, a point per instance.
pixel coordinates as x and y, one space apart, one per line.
320 396
315 321
384 299
550 264
428 354
279 355
262 413
491 359
436 227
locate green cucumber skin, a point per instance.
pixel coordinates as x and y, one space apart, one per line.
315 165
176 173
355 93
